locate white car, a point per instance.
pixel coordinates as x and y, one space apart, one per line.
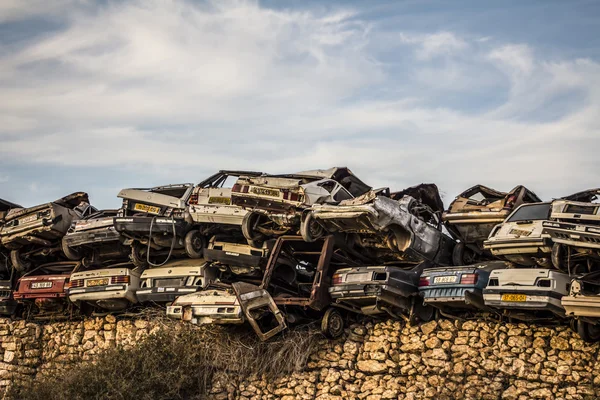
211 306
527 293
520 238
583 304
109 288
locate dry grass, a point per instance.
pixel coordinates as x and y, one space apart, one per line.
174 364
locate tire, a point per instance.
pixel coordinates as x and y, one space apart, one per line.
559 257
462 255
588 332
310 229
332 323
71 254
18 263
422 312
254 238
194 243
138 255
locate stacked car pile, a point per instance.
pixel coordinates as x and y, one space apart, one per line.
274 250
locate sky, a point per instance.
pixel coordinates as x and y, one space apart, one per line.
97 96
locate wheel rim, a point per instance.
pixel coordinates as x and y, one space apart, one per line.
315 229
335 324
197 242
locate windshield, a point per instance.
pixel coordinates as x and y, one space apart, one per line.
531 212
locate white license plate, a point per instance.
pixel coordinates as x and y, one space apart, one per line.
41 285
28 219
365 276
445 279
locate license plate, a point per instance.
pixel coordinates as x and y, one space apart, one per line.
365 276
265 192
514 297
41 285
28 219
445 279
147 208
97 282
219 200
520 232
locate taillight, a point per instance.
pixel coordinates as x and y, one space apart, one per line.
77 283
510 201
337 279
194 198
424 281
119 279
291 196
236 188
468 279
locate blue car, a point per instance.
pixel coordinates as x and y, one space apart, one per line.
457 288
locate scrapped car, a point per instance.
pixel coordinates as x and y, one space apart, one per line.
155 222
575 231
520 238
382 289
238 258
8 305
393 227
176 278
294 288
211 208
110 288
527 293
457 289
34 234
43 291
94 240
583 304
277 202
473 214
214 305
5 206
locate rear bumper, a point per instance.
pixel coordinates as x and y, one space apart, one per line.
519 246
535 301
112 292
359 295
456 296
140 226
582 306
163 294
576 235
94 236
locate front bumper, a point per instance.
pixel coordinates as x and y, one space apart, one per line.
518 246
93 236
207 314
111 292
163 294
582 306
576 235
140 226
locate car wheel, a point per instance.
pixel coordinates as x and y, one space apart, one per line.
310 229
422 312
138 255
561 257
588 332
462 255
69 252
332 324
18 263
194 243
250 221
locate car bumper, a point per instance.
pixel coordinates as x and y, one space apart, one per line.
518 246
95 236
140 226
225 257
113 292
210 314
273 206
163 294
492 217
535 301
582 306
356 295
456 296
37 232
576 235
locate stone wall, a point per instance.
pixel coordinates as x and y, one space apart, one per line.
384 360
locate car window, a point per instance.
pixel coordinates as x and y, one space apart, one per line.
477 197
342 194
531 212
328 185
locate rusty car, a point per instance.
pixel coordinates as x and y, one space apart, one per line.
277 203
35 234
473 214
401 226
156 223
574 227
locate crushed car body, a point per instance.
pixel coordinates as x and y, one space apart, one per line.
37 232
215 305
176 278
473 214
527 293
239 258
583 304
457 288
401 229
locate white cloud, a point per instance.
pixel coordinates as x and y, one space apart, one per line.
180 88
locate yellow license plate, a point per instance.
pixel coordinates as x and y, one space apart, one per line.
219 200
97 282
147 208
265 192
514 297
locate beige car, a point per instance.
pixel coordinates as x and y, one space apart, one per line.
212 306
583 304
239 258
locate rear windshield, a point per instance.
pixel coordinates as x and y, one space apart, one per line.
175 192
532 212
